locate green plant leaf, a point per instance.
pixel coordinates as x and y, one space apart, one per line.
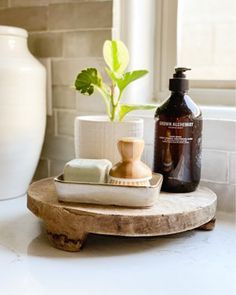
122 81
126 108
113 75
87 79
128 78
90 79
116 55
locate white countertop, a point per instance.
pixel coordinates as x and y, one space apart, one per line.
195 262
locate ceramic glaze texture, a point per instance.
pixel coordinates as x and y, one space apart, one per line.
22 112
96 137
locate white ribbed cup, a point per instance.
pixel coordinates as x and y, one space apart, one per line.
96 137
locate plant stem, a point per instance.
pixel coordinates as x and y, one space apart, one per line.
113 112
106 101
113 105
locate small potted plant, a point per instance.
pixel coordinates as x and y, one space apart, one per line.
97 136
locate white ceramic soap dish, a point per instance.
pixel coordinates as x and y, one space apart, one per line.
109 194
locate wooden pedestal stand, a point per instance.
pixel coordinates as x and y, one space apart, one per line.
68 225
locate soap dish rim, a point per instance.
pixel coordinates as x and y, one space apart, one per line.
60 179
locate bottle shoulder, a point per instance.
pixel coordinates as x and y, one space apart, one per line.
179 105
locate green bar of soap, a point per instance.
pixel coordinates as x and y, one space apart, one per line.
87 170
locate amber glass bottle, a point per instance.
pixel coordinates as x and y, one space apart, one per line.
178 137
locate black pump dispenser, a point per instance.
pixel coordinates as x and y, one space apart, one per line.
179 83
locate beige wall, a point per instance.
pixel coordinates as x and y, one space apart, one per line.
67 36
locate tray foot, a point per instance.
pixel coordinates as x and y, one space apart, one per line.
62 242
208 226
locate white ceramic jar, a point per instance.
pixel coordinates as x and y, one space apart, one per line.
96 137
22 112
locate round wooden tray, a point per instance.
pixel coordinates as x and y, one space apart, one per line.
68 224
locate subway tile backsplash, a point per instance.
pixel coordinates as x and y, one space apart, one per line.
80 15
219 135
69 34
3 3
65 123
46 44
232 168
23 3
29 18
64 70
209 171
58 148
84 43
64 97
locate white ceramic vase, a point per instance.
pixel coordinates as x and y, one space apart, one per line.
22 112
96 137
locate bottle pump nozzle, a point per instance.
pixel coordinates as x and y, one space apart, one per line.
178 82
179 72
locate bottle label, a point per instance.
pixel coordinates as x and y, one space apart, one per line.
178 137
178 151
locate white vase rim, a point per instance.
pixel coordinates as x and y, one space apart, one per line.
13 31
104 118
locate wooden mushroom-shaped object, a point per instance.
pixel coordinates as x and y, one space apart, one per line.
131 170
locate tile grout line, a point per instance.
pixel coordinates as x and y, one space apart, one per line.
75 30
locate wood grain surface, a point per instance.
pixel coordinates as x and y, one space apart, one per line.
68 224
